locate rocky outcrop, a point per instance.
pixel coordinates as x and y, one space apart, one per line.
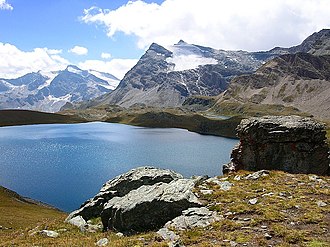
149 207
139 200
122 185
289 143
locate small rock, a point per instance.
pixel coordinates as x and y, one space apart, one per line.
233 243
253 201
51 234
102 242
176 243
206 192
268 194
263 227
313 178
167 234
321 204
62 230
224 185
237 178
257 175
77 221
119 234
268 236
246 219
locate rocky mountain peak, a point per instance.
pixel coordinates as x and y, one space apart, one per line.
158 49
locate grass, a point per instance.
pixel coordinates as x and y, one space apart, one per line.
286 209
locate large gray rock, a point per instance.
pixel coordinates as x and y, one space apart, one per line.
120 186
149 207
289 143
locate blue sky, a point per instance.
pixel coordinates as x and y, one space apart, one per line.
49 34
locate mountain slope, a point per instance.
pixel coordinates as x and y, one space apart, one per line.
166 77
49 91
298 80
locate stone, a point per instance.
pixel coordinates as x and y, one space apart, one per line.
78 221
48 233
253 201
102 242
149 207
237 177
289 143
193 217
321 204
119 234
122 185
206 192
167 234
224 185
257 175
176 243
268 236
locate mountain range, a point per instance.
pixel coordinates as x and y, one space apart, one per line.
49 91
166 77
300 79
295 77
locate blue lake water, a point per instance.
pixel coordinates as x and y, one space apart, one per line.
65 164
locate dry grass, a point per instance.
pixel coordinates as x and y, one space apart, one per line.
286 209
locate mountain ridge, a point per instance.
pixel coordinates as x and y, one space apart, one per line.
165 77
49 91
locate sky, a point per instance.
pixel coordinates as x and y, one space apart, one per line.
111 35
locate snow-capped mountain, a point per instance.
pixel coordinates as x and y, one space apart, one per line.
167 76
49 91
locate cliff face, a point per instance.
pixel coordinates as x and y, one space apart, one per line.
290 143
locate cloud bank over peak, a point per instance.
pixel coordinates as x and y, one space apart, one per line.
15 62
236 24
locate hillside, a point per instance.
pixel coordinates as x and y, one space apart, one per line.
300 81
22 117
290 210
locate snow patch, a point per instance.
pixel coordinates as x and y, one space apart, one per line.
111 80
74 70
50 75
185 62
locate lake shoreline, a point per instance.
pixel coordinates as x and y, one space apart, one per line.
194 123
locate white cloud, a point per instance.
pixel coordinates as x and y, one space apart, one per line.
105 55
79 50
235 24
116 67
53 51
15 62
5 5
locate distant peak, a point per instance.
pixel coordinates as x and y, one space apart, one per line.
181 42
72 67
159 49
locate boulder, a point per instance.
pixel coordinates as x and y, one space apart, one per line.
120 186
149 207
193 217
290 143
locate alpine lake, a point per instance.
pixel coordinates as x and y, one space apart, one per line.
65 164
